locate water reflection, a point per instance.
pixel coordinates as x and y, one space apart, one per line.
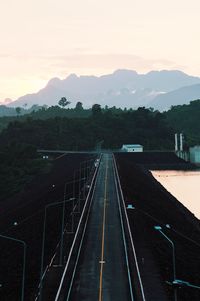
184 185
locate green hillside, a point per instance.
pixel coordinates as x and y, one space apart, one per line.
186 119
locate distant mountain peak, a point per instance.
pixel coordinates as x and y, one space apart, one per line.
124 71
166 71
54 81
179 96
72 76
115 89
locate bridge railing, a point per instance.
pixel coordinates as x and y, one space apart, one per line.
133 268
70 267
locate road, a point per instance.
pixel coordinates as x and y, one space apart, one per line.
101 272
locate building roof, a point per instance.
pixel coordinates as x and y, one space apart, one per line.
132 145
195 148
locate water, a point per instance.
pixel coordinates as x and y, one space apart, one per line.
184 185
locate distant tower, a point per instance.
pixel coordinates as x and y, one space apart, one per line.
176 142
181 142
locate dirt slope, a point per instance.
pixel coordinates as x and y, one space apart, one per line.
155 206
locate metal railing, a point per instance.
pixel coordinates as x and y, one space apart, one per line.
131 253
69 270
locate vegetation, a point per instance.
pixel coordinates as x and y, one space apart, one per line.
18 111
19 163
113 127
85 129
185 119
78 128
63 102
56 111
7 111
37 112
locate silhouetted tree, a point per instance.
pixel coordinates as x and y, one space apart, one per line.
79 106
18 110
63 102
96 110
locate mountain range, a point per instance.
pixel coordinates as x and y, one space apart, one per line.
122 88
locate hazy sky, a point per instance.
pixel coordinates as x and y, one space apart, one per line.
41 39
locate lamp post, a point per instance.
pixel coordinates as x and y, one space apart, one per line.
75 180
72 182
71 199
79 180
84 175
182 283
43 243
62 228
159 229
88 167
63 208
24 261
130 207
85 169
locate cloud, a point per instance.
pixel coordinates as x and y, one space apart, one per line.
4 55
82 62
25 72
108 62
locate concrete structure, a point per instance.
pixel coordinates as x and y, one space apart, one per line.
179 147
181 142
176 142
195 154
130 148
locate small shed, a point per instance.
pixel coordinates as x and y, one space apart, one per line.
195 154
132 148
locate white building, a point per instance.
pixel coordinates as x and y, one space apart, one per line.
195 154
132 148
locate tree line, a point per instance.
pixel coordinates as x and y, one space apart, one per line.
115 127
86 129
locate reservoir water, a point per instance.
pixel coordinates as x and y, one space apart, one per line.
184 185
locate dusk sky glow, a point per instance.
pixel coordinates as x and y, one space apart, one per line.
48 38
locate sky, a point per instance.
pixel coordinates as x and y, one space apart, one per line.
54 38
